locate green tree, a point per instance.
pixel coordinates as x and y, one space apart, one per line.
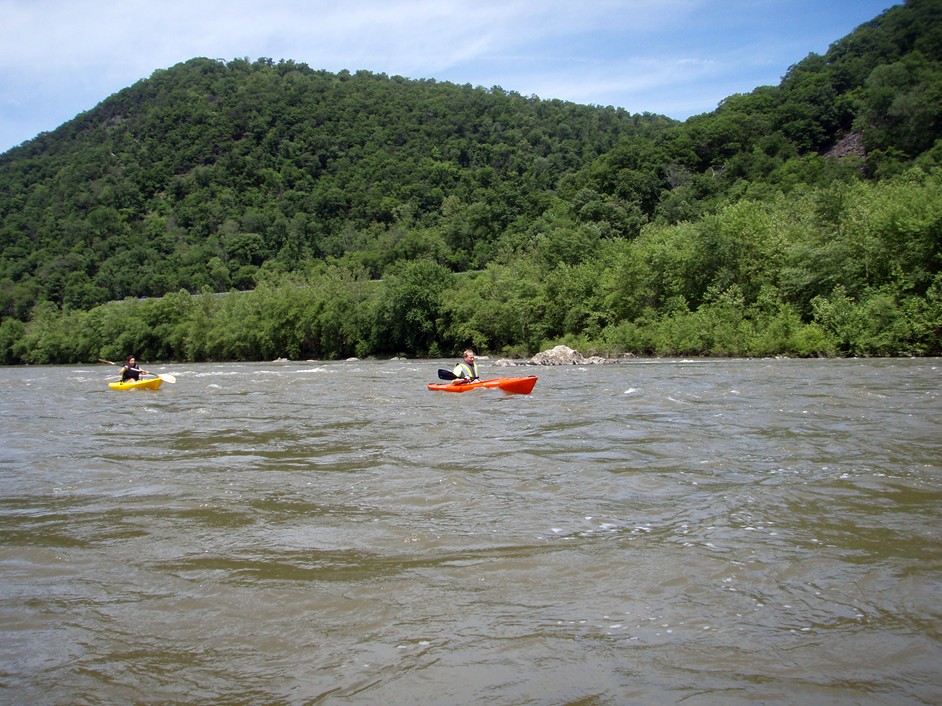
408 315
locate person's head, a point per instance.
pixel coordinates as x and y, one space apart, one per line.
131 360
469 355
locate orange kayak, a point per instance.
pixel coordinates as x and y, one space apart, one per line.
516 386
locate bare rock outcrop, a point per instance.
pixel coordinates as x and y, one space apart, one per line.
850 145
564 355
560 355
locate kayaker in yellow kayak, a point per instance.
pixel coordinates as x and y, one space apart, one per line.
467 369
131 371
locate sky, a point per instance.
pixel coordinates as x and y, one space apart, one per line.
60 58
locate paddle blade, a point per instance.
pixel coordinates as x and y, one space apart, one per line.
102 360
446 375
167 377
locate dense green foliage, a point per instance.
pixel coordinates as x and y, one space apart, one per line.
370 215
209 173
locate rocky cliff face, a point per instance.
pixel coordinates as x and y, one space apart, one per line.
851 145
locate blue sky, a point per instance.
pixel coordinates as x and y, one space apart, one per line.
59 58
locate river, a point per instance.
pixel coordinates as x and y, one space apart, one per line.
652 532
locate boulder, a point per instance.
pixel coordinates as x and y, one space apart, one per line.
560 355
564 355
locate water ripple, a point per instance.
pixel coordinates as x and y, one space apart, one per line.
652 532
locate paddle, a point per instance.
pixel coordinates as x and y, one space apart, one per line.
448 375
166 377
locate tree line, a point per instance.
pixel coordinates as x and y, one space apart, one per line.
845 270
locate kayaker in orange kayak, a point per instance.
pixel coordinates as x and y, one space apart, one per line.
131 371
465 378
467 369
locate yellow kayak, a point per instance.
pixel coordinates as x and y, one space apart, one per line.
149 384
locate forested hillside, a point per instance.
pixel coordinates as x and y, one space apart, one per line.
206 173
361 214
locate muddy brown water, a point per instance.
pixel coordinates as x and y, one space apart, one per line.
651 532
